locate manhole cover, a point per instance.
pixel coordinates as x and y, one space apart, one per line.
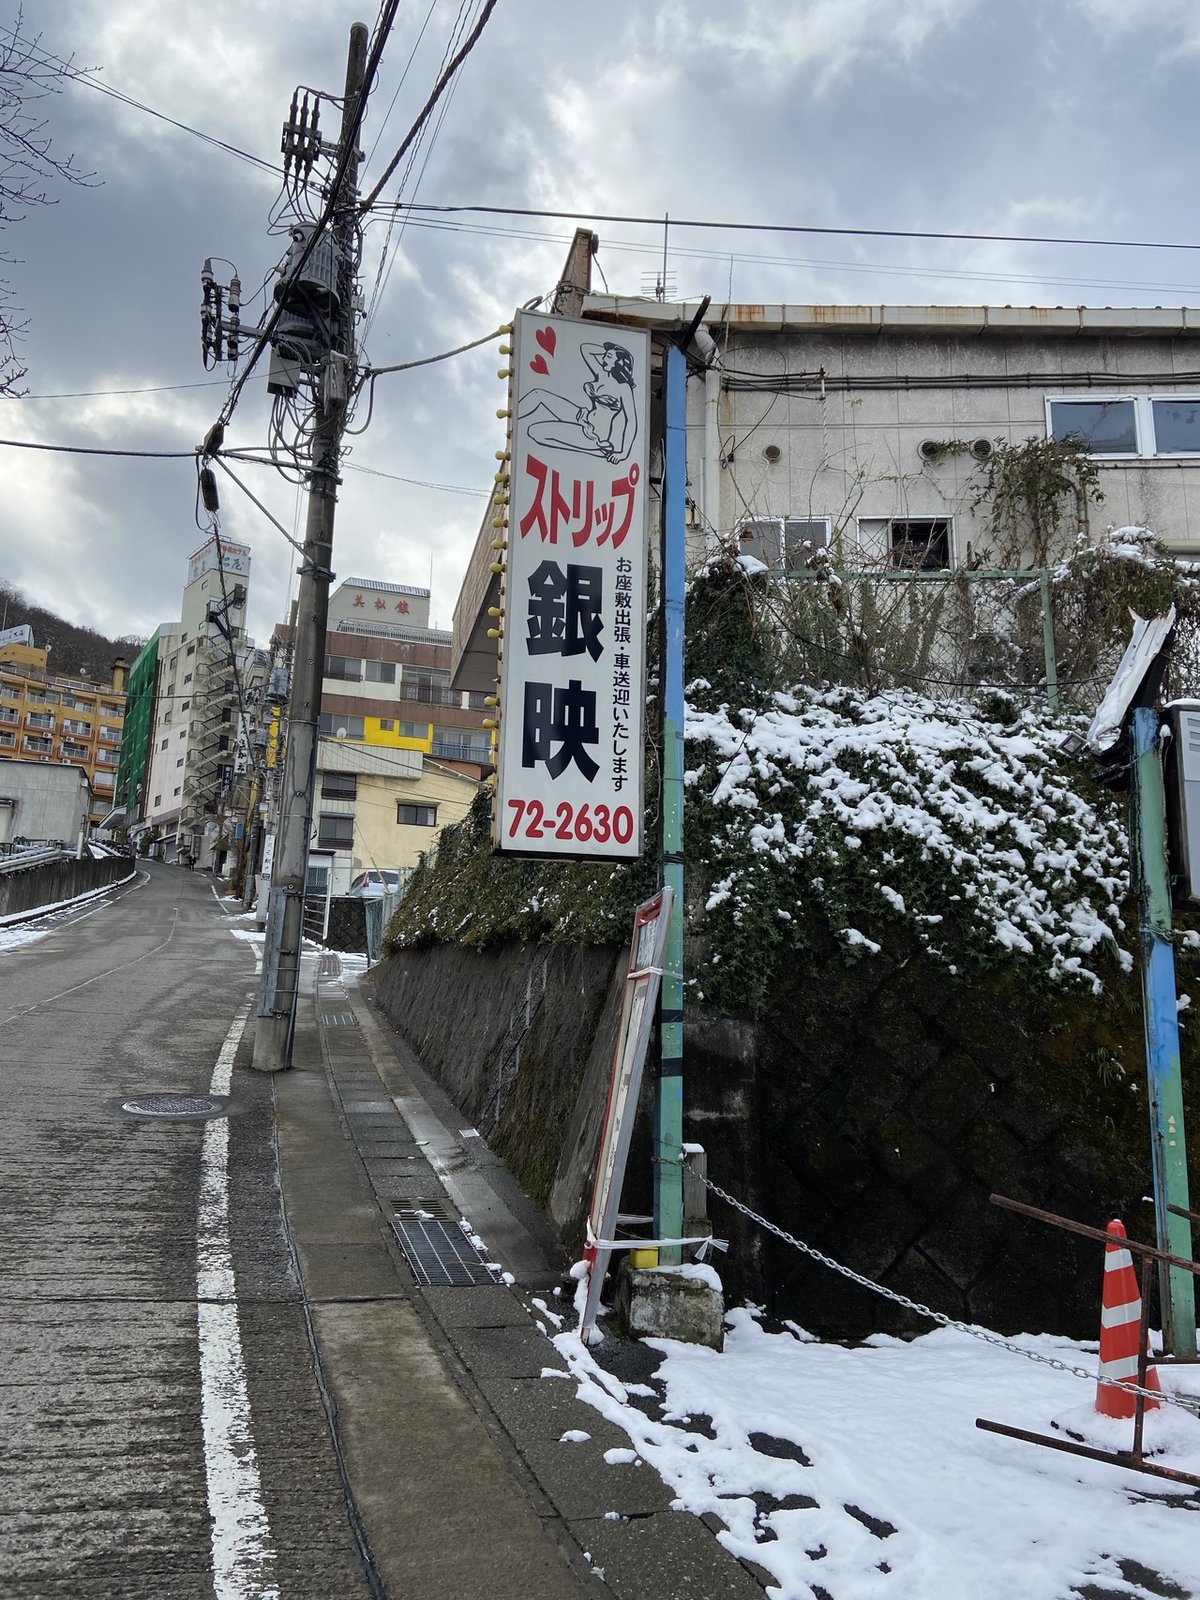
173 1105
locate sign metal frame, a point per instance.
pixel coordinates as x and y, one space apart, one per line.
573 648
650 925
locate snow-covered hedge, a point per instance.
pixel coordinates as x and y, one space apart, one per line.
834 808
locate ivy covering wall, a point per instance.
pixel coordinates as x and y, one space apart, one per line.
818 811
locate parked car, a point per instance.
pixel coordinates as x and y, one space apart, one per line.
374 883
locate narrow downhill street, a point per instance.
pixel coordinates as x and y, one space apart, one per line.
121 1422
220 1375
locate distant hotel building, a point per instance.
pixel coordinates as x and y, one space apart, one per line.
64 718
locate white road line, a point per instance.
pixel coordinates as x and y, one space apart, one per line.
243 1555
221 903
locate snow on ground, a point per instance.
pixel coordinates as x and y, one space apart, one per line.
15 938
872 1479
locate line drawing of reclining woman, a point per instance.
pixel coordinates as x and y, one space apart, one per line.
606 425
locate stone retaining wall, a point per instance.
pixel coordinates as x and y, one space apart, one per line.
872 1113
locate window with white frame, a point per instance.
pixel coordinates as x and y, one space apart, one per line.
784 543
1134 426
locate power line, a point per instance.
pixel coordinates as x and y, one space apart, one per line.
418 483
233 455
98 394
389 252
423 115
629 246
89 450
426 361
75 75
784 227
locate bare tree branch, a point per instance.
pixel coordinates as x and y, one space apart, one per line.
29 168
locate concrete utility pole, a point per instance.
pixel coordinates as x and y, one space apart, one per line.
280 985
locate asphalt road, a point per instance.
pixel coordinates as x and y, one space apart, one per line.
126 1389
219 1378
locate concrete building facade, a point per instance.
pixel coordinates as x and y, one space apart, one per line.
873 425
400 752
870 429
43 804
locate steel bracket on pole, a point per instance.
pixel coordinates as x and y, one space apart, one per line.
272 949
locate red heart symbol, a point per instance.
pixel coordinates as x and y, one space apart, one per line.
538 364
547 338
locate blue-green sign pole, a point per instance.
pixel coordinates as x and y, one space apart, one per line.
668 1100
1168 1146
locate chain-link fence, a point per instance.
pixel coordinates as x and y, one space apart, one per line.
1050 633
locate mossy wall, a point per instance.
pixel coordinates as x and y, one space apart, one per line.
909 984
520 1037
870 1109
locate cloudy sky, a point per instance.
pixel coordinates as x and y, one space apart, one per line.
1046 117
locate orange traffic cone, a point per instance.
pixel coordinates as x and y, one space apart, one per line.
1120 1329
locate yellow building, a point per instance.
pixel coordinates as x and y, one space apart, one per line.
380 808
54 717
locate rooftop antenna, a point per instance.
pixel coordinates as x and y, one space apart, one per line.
661 284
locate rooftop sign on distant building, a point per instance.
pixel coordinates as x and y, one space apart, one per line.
234 560
22 634
573 632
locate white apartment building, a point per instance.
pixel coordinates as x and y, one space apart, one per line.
207 671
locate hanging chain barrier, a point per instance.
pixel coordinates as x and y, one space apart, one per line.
1188 1404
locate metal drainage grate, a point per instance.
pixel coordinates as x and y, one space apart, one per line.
415 1194
439 1252
173 1105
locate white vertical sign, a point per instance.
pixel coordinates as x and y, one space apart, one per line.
573 653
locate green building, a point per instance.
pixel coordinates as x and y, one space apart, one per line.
137 734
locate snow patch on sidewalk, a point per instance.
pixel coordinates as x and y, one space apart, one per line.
860 1472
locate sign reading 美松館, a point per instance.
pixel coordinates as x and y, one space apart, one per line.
569 768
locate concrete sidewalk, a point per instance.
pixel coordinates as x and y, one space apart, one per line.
449 1435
